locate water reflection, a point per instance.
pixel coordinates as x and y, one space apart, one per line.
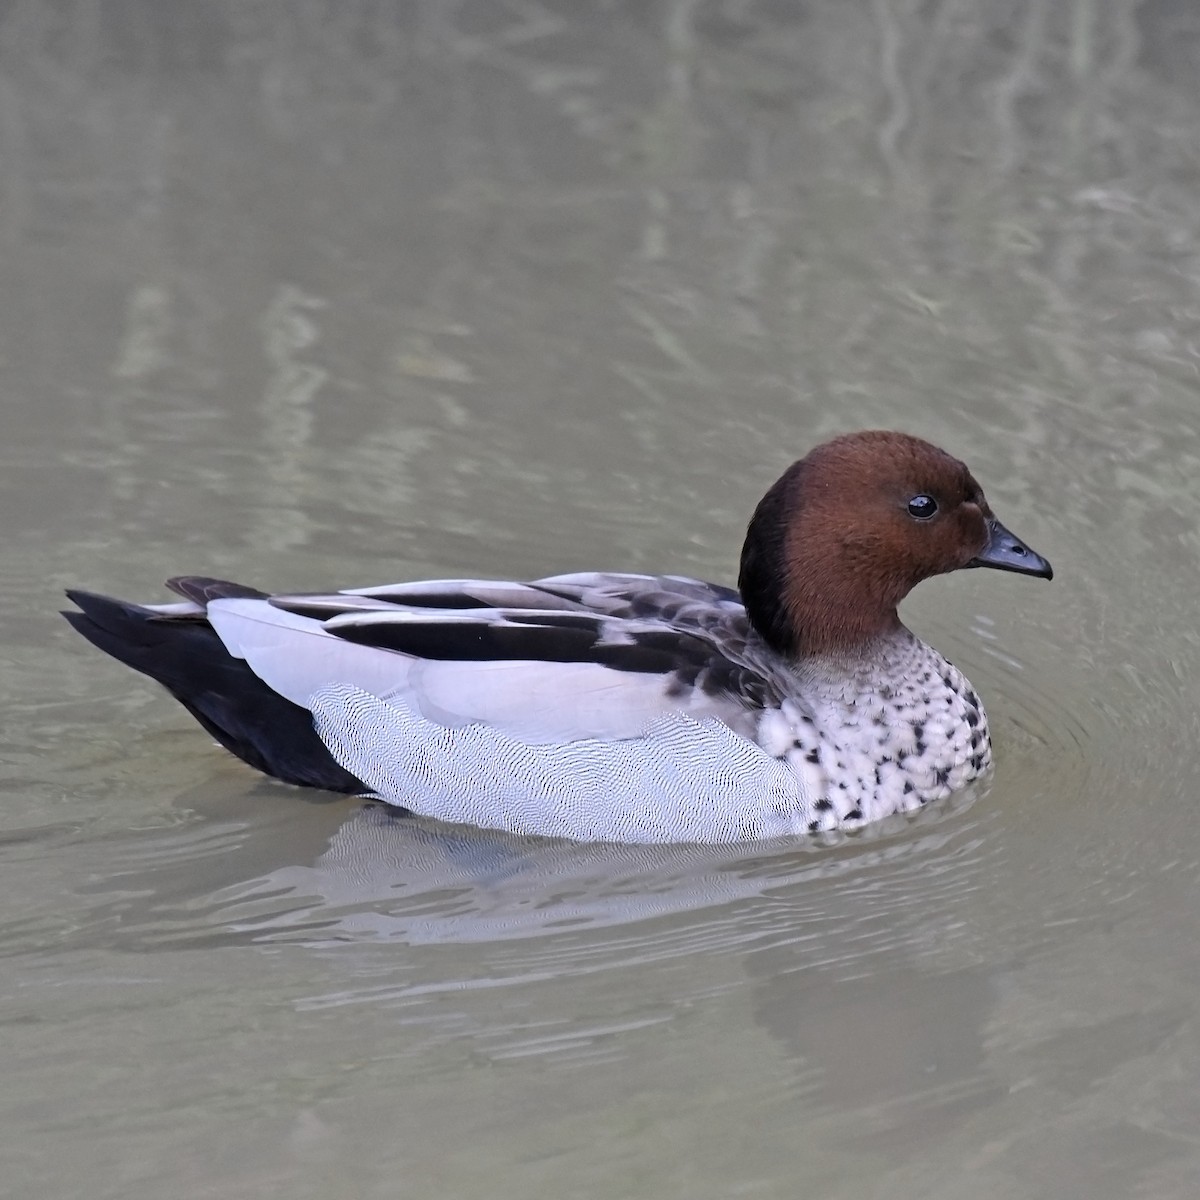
389 878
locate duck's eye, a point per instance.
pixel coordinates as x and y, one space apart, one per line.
922 507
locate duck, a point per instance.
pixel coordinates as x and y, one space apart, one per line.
617 707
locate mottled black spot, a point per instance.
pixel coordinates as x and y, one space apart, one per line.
855 814
797 744
711 673
878 778
824 804
652 604
908 787
972 717
918 730
814 755
972 698
841 787
977 762
814 826
901 755
943 776
948 681
976 739
920 749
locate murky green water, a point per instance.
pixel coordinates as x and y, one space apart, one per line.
309 295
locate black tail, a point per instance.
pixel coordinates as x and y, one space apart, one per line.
185 655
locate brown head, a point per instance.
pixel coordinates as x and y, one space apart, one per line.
851 529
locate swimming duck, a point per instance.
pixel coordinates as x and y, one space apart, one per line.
636 708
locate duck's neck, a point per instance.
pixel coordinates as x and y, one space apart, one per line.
800 618
807 592
880 665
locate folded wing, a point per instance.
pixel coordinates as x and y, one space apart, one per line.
581 656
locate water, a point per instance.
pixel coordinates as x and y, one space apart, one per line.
310 295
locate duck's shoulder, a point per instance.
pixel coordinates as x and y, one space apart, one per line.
690 604
717 650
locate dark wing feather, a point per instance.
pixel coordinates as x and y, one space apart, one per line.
325 607
699 649
655 597
465 593
562 638
709 616
200 589
664 597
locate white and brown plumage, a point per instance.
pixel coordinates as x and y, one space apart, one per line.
619 707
